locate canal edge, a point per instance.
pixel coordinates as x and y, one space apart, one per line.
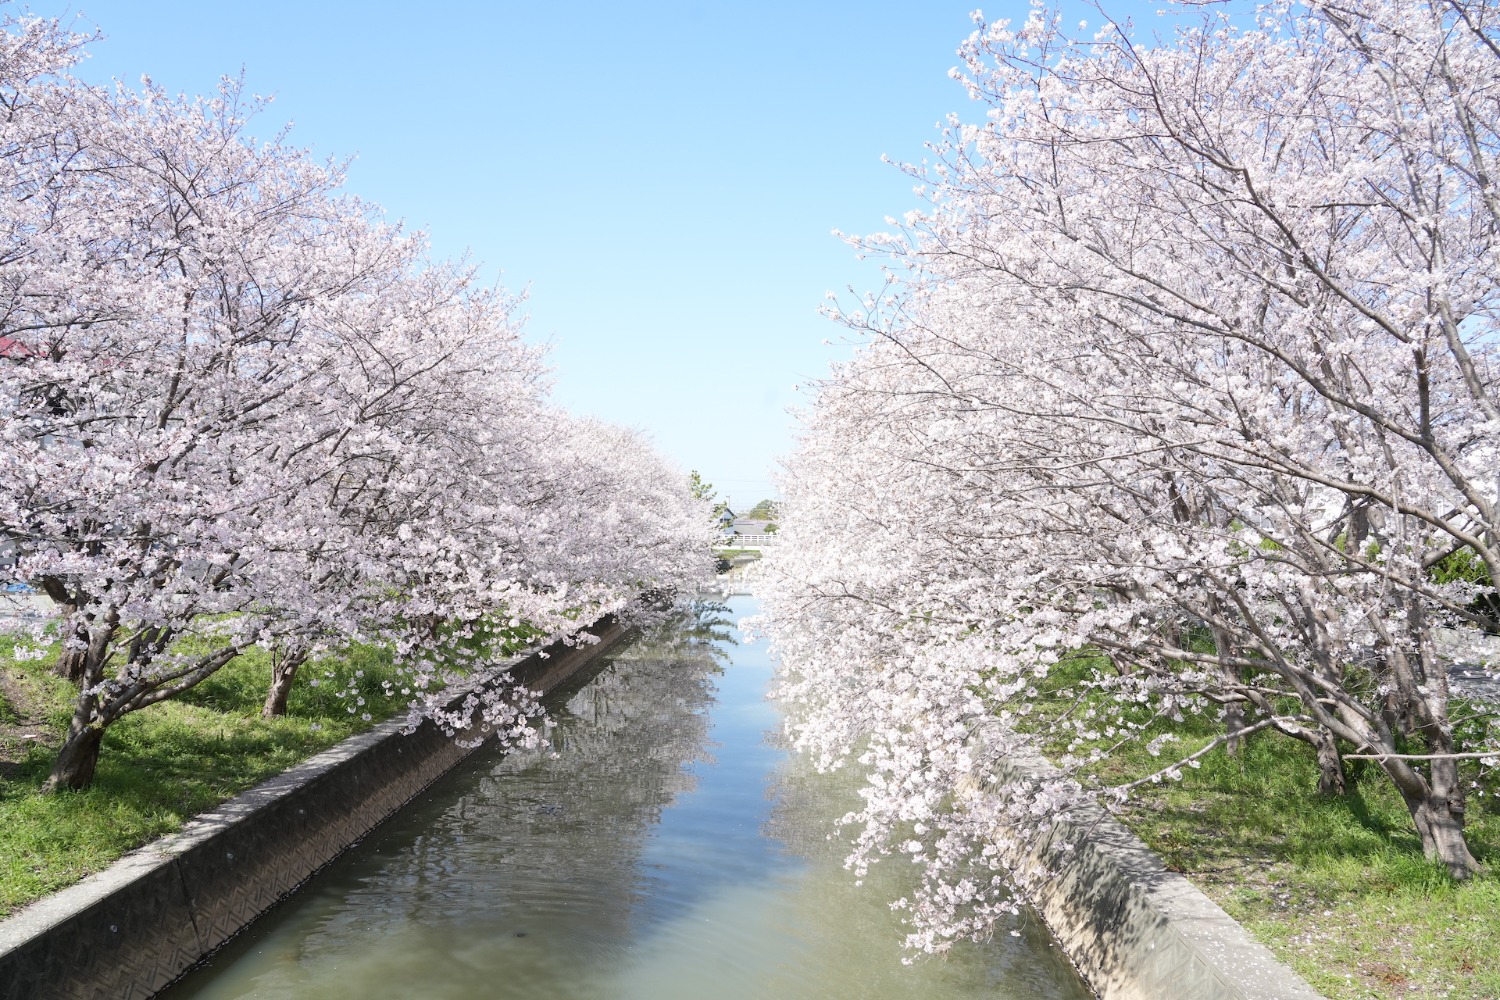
1134 929
135 927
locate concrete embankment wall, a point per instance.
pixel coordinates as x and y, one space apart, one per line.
133 928
1134 929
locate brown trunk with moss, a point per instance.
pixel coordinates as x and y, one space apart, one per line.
1235 717
283 673
1429 782
79 755
1437 811
75 763
71 662
1331 782
1432 789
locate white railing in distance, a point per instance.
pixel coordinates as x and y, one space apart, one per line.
746 541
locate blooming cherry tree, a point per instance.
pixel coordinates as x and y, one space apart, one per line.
240 409
1189 361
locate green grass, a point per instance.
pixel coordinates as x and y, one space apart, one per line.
1337 888
8 713
161 766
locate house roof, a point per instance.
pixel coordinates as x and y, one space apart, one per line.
13 348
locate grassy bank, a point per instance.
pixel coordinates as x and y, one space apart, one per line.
1336 887
160 766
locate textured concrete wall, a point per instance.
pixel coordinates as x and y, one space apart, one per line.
130 930
1136 930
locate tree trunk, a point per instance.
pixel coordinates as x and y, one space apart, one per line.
1234 712
1330 766
1439 815
1331 782
283 673
74 766
72 662
1440 824
1234 721
1435 801
75 763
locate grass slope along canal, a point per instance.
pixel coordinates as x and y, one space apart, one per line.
667 848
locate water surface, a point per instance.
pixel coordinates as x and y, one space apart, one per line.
665 847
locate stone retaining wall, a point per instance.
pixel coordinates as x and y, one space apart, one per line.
1135 930
130 930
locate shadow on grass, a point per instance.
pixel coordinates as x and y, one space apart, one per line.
159 767
1259 810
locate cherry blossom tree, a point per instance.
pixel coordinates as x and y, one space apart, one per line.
1189 361
241 409
156 319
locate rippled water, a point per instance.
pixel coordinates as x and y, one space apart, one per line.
668 849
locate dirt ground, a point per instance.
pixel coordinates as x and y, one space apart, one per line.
23 713
23 720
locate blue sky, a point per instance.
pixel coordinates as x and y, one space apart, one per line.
663 177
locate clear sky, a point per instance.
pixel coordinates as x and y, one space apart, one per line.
662 176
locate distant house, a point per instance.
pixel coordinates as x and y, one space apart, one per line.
748 526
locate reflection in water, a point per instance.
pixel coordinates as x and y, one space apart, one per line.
665 848
866 934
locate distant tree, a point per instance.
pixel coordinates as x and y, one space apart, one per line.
703 490
766 510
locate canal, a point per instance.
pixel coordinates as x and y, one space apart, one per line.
664 846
